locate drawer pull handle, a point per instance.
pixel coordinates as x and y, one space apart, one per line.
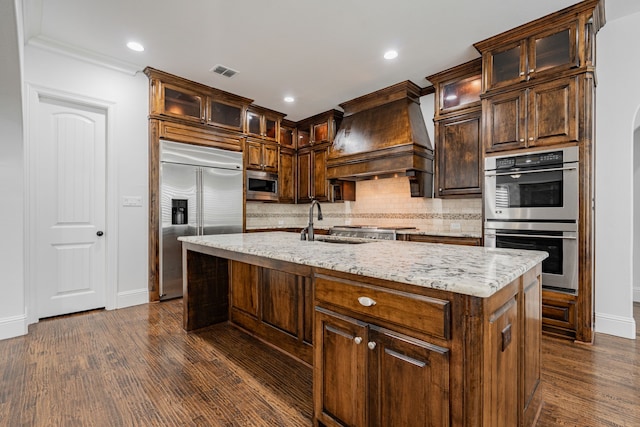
371 345
366 301
357 340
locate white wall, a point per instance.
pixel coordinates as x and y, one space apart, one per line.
12 303
127 158
617 101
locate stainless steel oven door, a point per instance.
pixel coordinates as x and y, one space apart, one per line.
560 241
522 193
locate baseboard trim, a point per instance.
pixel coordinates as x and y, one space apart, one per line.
14 326
131 298
619 326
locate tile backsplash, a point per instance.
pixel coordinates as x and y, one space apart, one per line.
384 202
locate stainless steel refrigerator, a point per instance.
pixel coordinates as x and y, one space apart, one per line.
201 193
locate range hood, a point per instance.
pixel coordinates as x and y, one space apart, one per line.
384 135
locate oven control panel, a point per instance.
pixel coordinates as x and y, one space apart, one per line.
530 160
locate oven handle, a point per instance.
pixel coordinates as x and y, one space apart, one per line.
530 171
540 236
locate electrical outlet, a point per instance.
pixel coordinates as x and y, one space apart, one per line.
455 226
347 222
280 222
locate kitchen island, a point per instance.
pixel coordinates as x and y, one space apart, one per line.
398 333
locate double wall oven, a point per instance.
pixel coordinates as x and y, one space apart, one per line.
531 202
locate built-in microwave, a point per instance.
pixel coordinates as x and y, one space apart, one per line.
533 186
262 186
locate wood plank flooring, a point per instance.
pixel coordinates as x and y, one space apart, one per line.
137 367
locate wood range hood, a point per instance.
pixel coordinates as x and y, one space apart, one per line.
384 135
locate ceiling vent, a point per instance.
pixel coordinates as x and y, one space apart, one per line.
224 71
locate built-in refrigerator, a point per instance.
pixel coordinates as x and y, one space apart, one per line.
201 193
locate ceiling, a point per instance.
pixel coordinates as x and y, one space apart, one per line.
320 52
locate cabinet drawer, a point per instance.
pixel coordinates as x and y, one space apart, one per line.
417 312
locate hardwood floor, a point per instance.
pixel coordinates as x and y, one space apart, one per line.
137 367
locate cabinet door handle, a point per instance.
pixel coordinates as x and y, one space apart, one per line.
532 70
522 73
530 138
521 139
357 340
366 301
371 345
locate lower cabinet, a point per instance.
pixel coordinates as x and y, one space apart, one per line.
275 305
386 354
369 375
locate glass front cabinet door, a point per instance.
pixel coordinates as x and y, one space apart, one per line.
548 51
182 103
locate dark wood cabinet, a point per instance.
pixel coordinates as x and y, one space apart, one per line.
319 129
181 102
312 173
287 176
374 376
288 135
539 91
541 115
546 50
458 131
459 156
261 155
226 114
386 356
263 123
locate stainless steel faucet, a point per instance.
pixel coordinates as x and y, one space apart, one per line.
308 230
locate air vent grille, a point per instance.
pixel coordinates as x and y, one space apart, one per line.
224 71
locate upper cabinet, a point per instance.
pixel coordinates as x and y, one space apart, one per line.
458 133
457 90
263 123
319 128
548 52
180 100
542 48
226 114
288 134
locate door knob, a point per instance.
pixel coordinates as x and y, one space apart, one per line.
99 233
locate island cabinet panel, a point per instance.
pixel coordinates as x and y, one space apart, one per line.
501 394
280 295
531 400
244 287
275 305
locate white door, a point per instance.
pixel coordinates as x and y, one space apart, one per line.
70 258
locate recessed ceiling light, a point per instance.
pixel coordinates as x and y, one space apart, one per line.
390 54
289 99
135 46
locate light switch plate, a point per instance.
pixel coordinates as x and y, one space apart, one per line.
132 201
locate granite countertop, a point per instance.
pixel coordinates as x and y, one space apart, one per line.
470 270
